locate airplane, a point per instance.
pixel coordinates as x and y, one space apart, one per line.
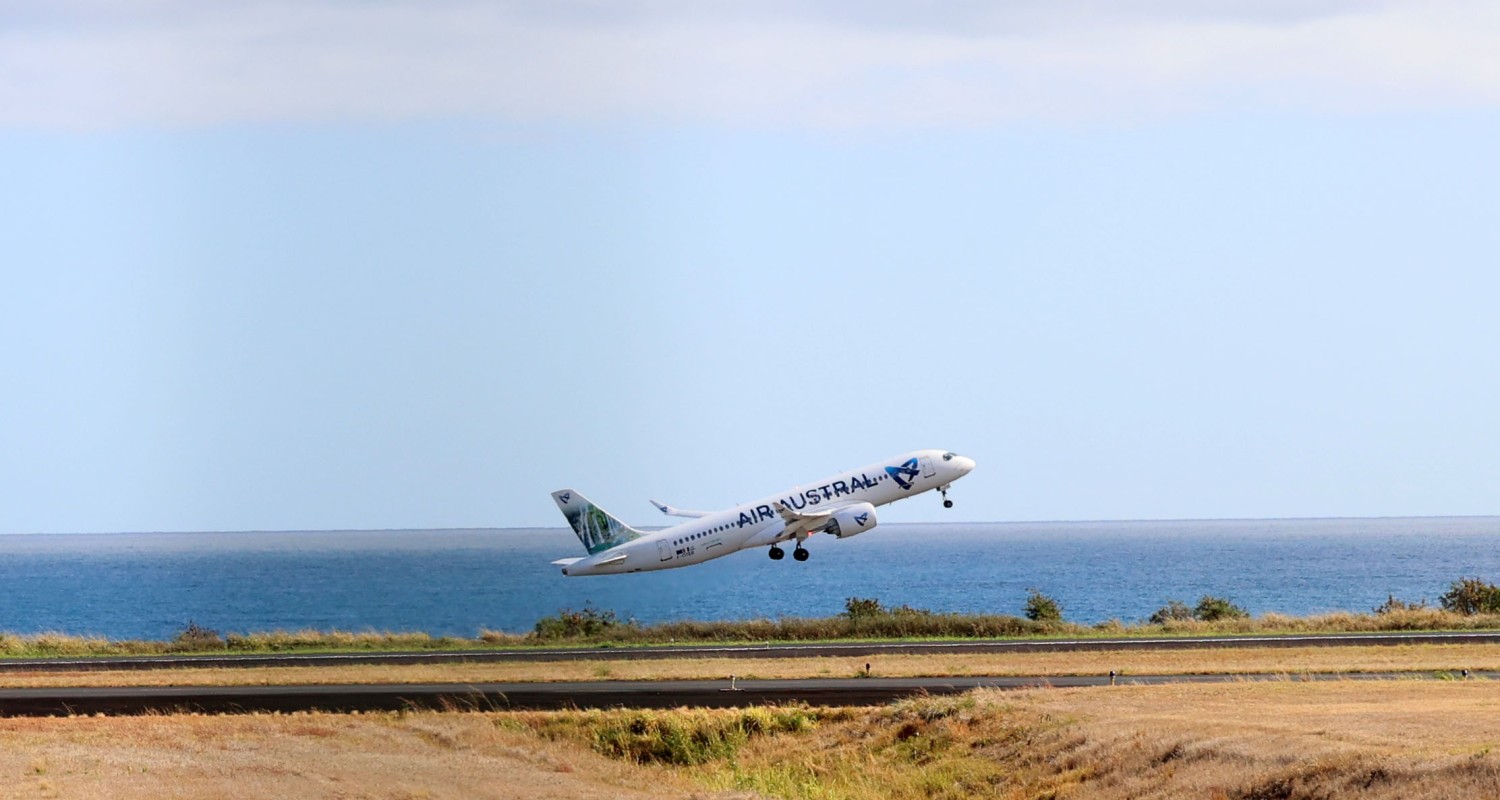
843 506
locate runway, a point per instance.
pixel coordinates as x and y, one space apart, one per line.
637 694
850 650
593 694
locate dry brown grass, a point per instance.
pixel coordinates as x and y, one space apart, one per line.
1449 657
1239 741
1393 739
202 640
1276 741
424 755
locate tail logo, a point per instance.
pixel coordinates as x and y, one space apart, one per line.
595 527
904 474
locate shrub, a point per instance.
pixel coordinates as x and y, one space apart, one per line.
1041 608
1470 596
570 624
1394 606
857 607
1212 609
1173 611
196 637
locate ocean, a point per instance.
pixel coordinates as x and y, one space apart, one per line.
459 582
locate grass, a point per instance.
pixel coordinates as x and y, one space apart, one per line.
1249 741
602 630
916 624
1423 658
315 756
1276 741
60 645
684 738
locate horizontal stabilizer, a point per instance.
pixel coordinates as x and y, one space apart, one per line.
678 512
567 562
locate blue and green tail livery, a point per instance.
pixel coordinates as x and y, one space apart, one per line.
595 527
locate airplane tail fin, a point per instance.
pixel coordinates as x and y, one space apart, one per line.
596 528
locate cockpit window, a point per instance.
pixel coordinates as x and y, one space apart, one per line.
948 456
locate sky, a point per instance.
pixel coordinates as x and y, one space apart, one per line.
325 264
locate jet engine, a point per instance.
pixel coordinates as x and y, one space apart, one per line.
851 520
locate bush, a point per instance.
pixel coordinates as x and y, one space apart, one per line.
1470 596
570 624
1041 608
1394 606
1173 611
857 607
1212 609
196 637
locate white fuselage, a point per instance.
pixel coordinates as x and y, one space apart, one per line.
760 523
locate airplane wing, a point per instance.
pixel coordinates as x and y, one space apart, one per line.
677 512
789 516
800 523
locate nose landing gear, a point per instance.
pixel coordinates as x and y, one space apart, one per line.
946 502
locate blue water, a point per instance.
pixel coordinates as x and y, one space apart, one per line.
460 582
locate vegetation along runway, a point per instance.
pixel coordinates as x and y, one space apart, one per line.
814 650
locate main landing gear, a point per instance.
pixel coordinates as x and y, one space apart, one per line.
777 553
946 502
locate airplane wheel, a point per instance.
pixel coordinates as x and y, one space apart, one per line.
799 554
777 554
947 504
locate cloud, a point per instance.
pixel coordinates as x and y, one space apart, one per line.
89 64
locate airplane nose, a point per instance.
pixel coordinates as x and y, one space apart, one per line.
964 464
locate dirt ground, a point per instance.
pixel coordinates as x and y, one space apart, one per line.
1431 734
406 756
1294 720
1376 739
1406 738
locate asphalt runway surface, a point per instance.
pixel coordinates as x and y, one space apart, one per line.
849 650
593 694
